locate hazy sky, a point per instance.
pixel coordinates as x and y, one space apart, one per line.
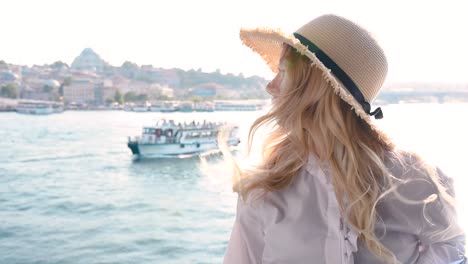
423 40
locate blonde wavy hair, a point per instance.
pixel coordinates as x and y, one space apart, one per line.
309 117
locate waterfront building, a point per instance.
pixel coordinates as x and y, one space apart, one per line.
80 91
160 90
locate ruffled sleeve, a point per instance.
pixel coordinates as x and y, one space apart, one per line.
442 240
434 223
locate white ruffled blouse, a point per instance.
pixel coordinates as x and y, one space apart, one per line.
302 224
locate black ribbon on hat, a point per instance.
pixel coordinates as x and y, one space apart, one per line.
341 75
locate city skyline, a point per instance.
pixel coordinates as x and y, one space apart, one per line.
423 40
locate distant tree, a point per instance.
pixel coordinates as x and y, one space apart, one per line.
47 88
118 97
133 97
129 65
65 82
130 97
59 64
162 97
60 90
196 99
142 97
3 65
9 90
109 101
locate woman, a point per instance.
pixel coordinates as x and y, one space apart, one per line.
331 187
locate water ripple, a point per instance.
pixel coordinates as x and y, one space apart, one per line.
55 158
74 194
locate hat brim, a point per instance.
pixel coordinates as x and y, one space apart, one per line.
268 43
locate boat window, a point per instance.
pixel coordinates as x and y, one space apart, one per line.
168 132
206 134
147 130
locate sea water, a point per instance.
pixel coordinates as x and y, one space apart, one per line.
71 192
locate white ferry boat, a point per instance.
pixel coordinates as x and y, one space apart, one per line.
206 106
169 139
240 105
39 107
141 107
163 106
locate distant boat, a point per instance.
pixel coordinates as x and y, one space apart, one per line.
204 107
156 106
58 107
169 107
166 138
39 107
163 106
116 106
141 107
238 106
76 106
186 107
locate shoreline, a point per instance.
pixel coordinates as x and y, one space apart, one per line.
9 105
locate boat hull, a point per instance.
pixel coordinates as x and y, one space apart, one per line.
38 111
176 149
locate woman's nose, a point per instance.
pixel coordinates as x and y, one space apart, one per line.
272 87
268 87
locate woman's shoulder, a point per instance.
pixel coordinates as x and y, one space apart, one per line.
414 173
405 164
252 201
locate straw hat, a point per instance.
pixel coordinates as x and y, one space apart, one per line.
350 58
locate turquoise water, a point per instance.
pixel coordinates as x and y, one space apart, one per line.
70 191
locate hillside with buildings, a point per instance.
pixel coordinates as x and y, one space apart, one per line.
90 80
